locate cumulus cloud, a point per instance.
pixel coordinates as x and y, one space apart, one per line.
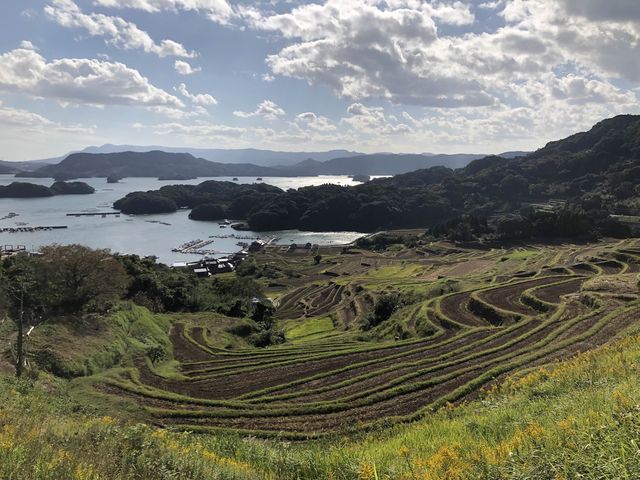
373 49
217 10
393 50
200 99
619 10
315 122
184 68
34 122
79 80
268 110
373 120
198 130
118 32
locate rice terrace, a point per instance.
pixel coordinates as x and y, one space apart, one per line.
463 318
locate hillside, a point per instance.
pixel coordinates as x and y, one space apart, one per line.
434 361
594 174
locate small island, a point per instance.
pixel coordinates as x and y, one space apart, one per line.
72 188
137 203
31 190
113 179
361 178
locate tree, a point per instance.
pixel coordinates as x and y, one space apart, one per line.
22 300
78 276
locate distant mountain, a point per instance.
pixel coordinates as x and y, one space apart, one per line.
7 168
147 164
15 167
246 155
380 164
184 165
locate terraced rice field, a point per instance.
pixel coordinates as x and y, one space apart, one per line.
499 311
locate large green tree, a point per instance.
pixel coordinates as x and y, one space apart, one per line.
77 277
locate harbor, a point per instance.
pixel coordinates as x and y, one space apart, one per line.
144 235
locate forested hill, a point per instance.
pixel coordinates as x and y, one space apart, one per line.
595 172
143 164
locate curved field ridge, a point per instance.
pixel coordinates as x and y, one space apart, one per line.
497 321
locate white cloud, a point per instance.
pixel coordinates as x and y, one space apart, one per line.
372 121
117 31
364 49
200 99
198 130
315 122
217 10
184 68
266 77
33 122
491 5
268 110
618 10
27 45
79 81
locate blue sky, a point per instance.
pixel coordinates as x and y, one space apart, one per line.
368 75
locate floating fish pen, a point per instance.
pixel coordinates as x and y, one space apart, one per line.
93 214
31 229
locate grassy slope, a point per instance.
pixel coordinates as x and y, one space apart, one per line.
576 419
72 347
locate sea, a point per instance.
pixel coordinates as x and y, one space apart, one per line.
145 235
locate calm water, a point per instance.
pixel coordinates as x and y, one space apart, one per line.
141 234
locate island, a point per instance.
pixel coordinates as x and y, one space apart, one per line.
72 188
113 179
361 178
164 178
31 190
138 203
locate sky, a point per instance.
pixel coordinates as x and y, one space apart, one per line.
441 76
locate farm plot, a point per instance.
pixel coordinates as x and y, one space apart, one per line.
330 377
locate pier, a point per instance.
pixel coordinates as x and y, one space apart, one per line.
195 247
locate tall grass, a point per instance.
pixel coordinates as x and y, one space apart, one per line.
575 419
